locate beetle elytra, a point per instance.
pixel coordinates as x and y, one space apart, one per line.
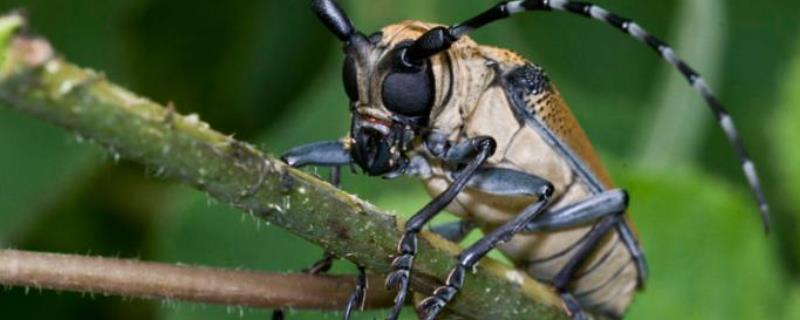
494 142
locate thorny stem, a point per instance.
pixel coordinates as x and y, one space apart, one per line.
131 278
81 101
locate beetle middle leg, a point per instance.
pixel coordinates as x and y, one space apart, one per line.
497 182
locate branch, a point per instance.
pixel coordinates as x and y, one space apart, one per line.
84 102
132 278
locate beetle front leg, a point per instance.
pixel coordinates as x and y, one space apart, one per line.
497 182
483 148
331 154
326 154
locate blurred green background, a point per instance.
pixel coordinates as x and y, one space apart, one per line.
268 72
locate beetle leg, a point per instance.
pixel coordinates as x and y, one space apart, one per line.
574 310
585 212
608 203
563 277
613 202
359 294
330 154
327 153
454 231
484 147
626 234
494 181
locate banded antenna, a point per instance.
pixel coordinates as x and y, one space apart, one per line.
440 39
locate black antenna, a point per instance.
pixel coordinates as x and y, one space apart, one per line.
337 22
440 39
334 19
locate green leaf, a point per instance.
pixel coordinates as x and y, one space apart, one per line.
793 305
238 65
709 258
784 137
40 164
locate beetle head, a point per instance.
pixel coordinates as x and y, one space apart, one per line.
391 103
392 94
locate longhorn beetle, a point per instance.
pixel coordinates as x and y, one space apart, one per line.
494 143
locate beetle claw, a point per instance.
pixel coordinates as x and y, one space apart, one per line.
396 279
430 307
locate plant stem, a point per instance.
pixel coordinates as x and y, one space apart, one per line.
132 278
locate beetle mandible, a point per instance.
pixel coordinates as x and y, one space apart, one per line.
494 143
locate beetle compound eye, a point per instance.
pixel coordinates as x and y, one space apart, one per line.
409 92
350 78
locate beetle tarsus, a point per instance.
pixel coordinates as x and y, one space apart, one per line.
433 305
430 308
359 296
399 280
400 277
573 308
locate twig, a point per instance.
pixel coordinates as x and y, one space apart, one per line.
131 278
233 172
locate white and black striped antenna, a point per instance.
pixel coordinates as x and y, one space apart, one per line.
440 39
